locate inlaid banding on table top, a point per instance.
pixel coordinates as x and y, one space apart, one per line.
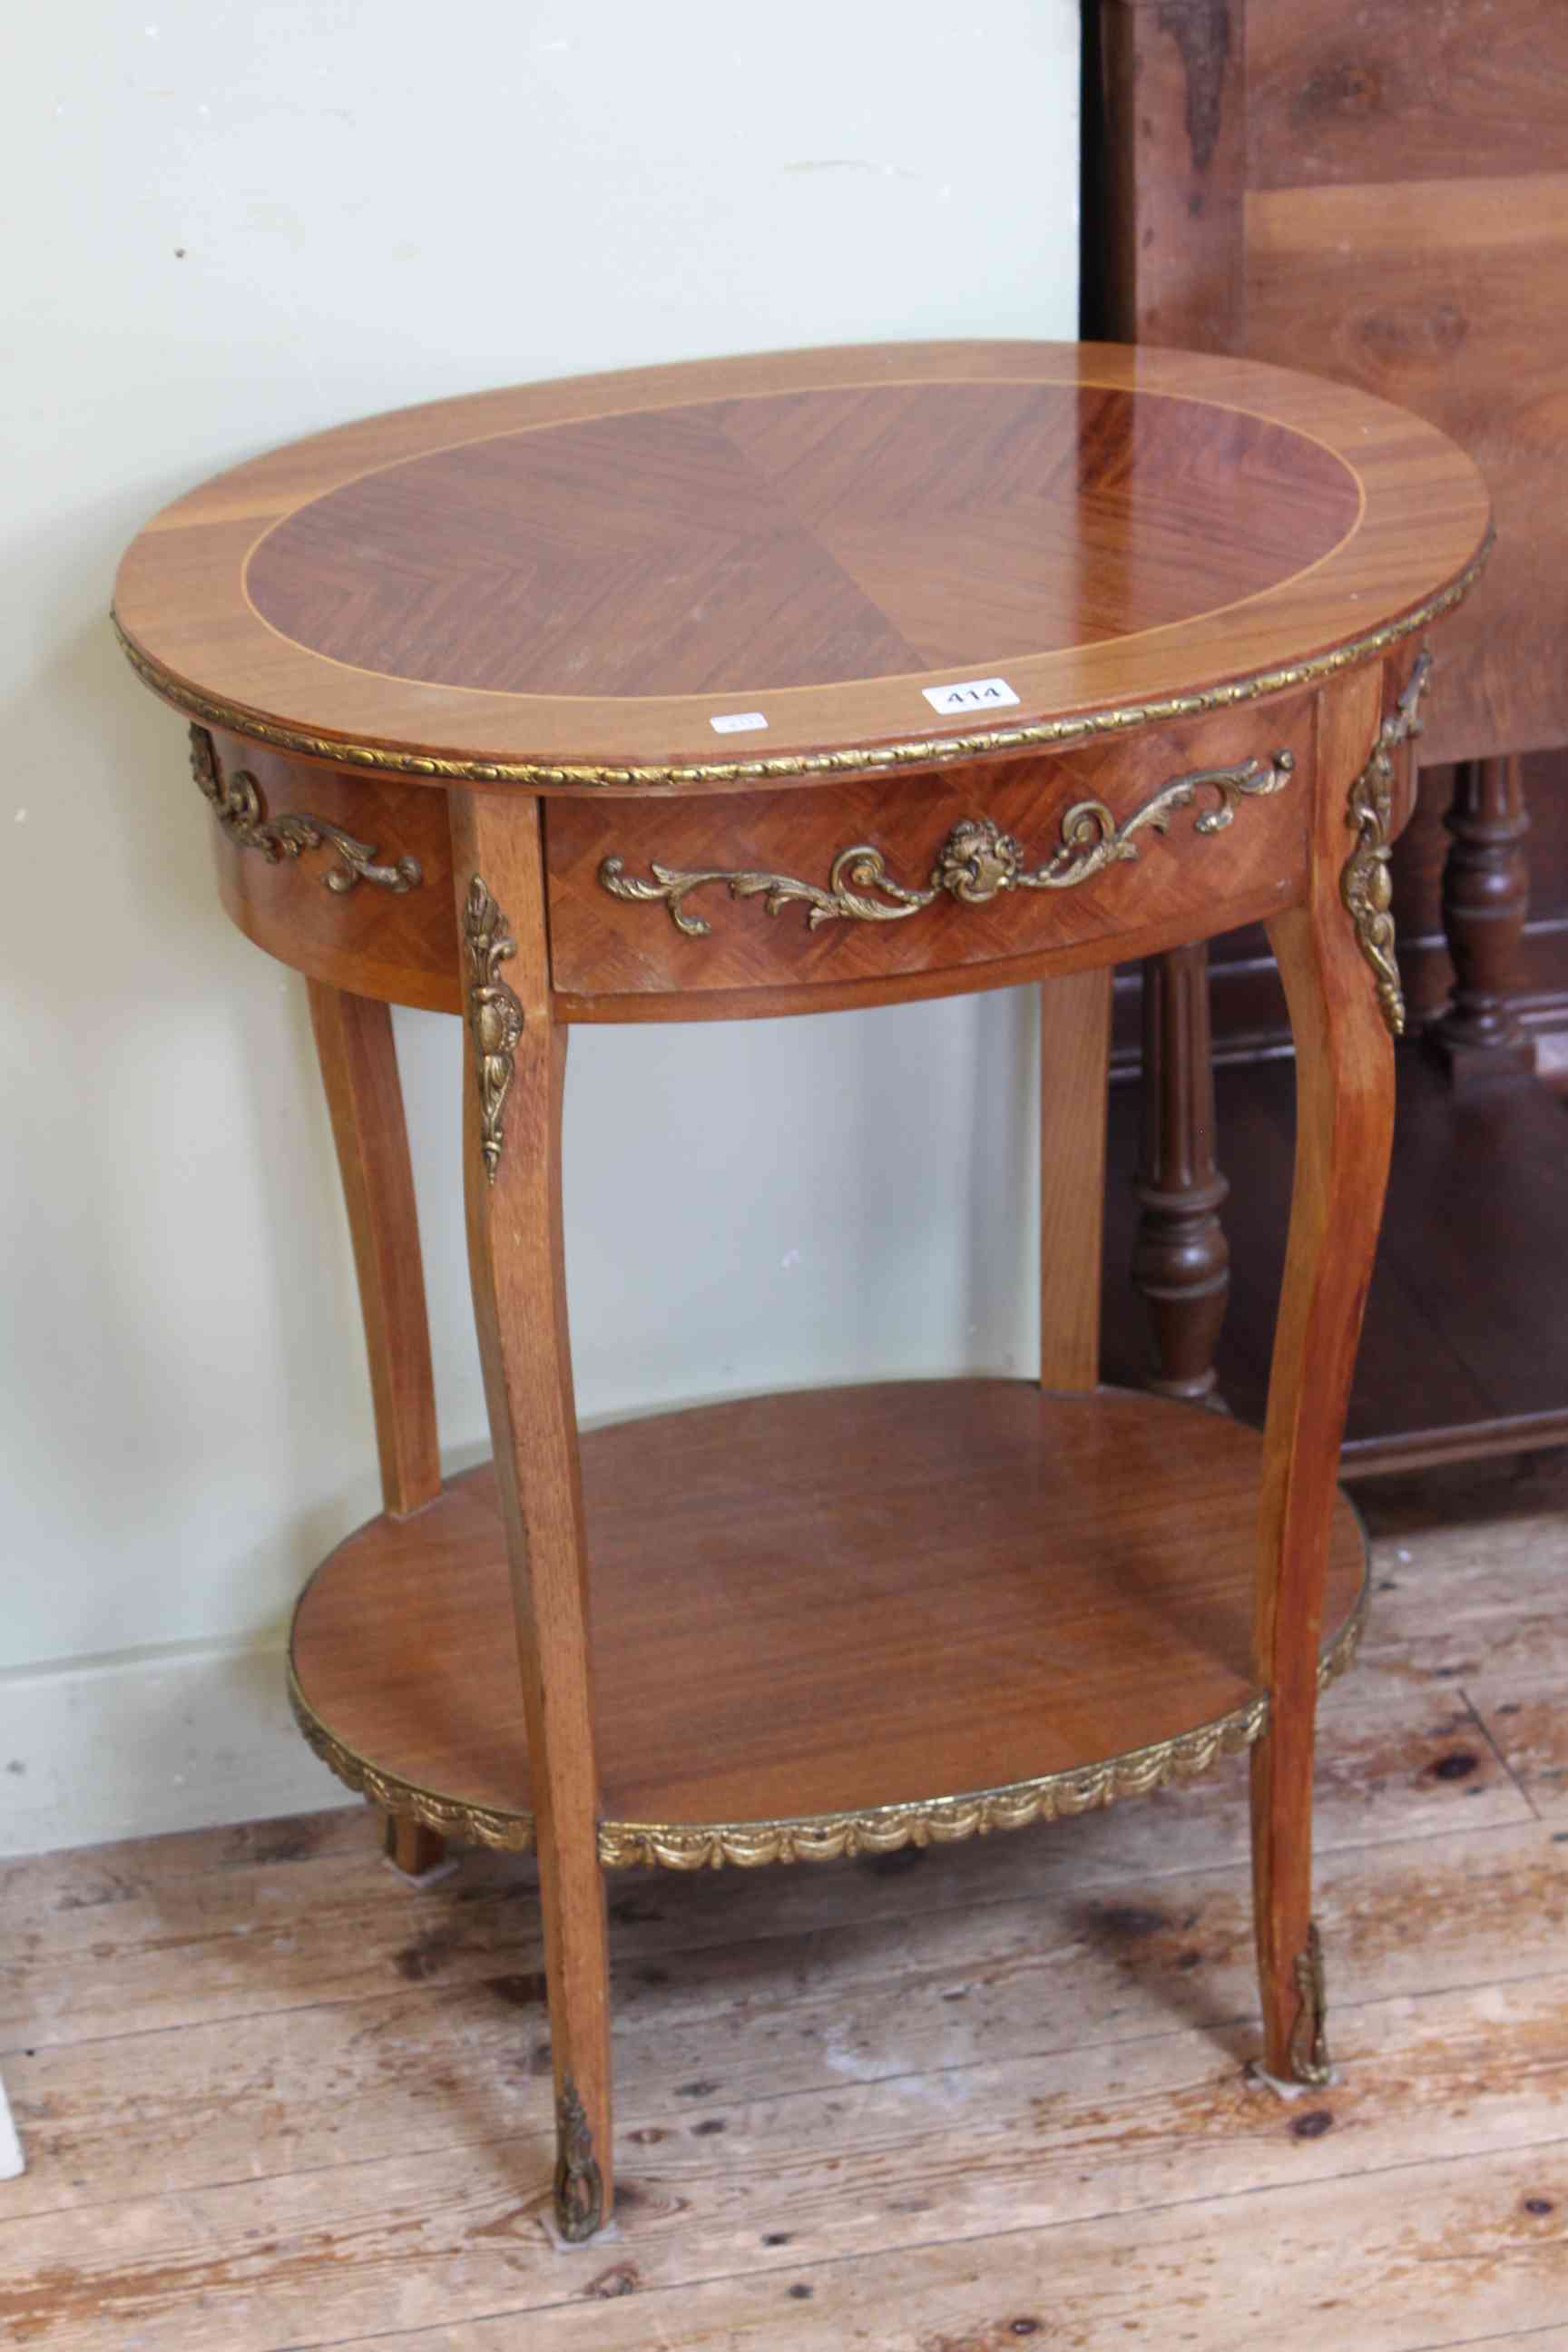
1122 536
922 750
833 1837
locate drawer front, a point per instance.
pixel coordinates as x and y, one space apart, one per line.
1125 847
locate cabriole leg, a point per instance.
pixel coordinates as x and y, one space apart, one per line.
1344 1121
515 1064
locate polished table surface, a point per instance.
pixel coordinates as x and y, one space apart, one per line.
773 686
582 577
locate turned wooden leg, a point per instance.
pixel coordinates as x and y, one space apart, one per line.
515 1065
358 1056
1486 897
1344 1124
1075 1063
1180 1260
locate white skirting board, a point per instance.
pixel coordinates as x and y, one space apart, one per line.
11 2160
191 1735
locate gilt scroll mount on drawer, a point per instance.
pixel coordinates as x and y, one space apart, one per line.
976 864
238 803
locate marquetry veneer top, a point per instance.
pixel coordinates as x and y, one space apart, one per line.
561 580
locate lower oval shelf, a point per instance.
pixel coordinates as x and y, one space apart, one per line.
829 1622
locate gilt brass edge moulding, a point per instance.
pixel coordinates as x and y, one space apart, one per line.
495 1015
976 864
828 1837
1366 884
472 1824
237 803
882 759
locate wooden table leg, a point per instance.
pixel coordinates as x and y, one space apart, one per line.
417 1852
358 1056
359 1072
515 1074
1180 1260
1075 1061
1344 1126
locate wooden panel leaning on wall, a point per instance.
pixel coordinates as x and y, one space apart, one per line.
1380 192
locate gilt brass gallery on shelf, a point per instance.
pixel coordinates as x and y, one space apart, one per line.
831 1837
975 864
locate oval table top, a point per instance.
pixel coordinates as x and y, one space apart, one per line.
796 565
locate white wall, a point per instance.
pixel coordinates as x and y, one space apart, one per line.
230 225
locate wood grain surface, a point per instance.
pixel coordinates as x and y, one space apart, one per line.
517 1266
1381 185
1248 1006
1165 169
733 548
1444 294
401 947
271 2099
1344 1128
358 1057
1179 1261
587 574
1378 188
1465 1344
1180 881
821 1603
1364 92
614 960
1075 1050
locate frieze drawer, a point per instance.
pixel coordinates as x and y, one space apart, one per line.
941 873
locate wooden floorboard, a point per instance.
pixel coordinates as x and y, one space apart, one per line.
434 2066
1411 1761
947 2102
1301 2267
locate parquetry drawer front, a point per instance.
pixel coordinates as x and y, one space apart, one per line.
950 873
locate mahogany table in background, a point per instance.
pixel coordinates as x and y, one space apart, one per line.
774 686
1382 185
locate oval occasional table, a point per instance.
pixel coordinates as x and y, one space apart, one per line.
775 685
